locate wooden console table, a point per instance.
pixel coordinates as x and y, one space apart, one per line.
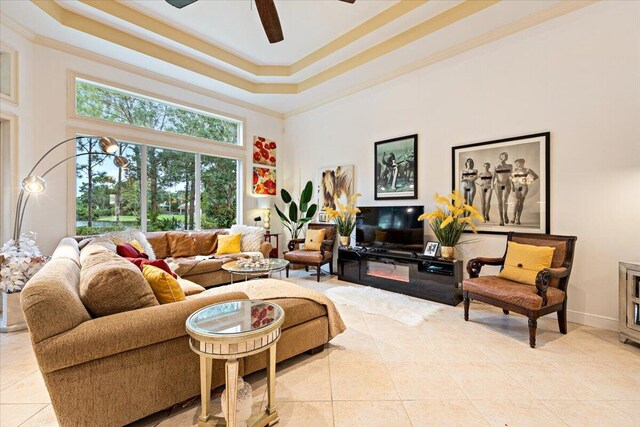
275 252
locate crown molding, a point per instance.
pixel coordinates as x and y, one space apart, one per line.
525 23
171 32
13 25
87 25
94 57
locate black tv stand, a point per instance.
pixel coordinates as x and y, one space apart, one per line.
435 279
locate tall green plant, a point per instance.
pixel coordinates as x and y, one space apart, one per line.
300 213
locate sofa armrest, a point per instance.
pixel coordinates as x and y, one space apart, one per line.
109 335
265 249
544 278
475 265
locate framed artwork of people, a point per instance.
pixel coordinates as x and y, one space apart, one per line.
507 180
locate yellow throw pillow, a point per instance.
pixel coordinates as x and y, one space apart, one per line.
165 287
229 244
137 245
313 240
524 262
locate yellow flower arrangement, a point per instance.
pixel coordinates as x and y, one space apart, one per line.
450 219
345 215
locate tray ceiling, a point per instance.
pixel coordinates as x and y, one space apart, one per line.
331 48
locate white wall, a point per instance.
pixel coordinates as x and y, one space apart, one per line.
577 76
47 117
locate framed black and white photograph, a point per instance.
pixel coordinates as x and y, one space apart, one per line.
431 249
396 168
507 180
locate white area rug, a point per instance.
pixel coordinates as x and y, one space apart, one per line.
401 308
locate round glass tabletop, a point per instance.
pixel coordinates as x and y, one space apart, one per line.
234 317
261 266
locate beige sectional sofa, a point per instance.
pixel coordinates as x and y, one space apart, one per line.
113 370
192 254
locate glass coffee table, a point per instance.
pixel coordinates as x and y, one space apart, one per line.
249 268
229 331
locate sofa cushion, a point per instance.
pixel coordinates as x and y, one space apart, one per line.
195 265
252 237
299 310
110 284
165 287
511 292
191 243
160 244
306 256
189 288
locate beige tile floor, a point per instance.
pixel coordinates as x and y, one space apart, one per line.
380 372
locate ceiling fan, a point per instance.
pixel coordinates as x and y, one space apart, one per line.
267 12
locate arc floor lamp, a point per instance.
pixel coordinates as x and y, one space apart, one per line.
34 183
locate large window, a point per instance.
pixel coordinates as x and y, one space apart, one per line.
109 199
162 188
116 105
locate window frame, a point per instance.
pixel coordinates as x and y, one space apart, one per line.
14 98
9 170
72 114
197 150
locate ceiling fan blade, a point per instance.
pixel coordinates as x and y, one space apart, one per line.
270 20
180 3
349 1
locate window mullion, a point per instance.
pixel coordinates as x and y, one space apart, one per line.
197 202
143 188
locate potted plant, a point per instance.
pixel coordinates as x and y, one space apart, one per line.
345 218
19 261
298 213
450 220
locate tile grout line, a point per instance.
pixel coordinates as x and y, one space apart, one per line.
27 420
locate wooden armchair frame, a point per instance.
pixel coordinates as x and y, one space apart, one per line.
325 247
543 281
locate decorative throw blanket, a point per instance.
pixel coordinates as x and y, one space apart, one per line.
274 289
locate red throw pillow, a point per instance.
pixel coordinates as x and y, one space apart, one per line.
127 250
160 263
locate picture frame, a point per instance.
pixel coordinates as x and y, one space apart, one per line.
396 168
507 180
431 249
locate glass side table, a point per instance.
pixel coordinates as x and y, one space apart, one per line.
248 268
229 331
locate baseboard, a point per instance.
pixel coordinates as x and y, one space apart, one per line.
595 320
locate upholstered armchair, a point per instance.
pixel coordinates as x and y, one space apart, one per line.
309 258
547 296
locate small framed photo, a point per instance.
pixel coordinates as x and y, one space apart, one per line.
431 249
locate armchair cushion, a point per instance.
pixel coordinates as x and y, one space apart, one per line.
523 262
511 292
313 239
307 257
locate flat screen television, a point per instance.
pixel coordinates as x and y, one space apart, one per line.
390 227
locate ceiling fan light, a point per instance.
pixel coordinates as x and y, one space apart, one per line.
34 184
108 145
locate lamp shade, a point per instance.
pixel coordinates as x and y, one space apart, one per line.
265 202
121 161
108 145
34 184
